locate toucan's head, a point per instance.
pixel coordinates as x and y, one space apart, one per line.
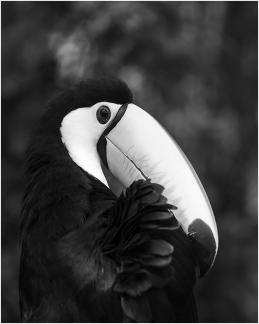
105 132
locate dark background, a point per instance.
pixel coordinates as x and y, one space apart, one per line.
193 66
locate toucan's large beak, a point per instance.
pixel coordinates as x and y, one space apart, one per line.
138 147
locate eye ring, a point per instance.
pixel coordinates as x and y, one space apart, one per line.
103 114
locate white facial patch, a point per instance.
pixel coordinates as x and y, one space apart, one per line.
80 131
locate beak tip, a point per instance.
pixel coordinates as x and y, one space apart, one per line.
205 244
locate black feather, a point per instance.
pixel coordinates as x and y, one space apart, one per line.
137 239
137 308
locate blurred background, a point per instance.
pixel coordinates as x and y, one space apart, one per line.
191 65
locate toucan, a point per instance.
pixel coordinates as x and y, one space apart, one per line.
115 224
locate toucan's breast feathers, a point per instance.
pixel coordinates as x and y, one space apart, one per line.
143 237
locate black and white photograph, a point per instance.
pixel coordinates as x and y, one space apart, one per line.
129 161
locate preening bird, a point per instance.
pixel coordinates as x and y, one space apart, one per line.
116 226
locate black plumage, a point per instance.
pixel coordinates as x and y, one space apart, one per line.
88 256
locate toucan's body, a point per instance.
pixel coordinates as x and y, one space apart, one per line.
88 255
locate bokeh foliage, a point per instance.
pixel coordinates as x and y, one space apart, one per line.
193 66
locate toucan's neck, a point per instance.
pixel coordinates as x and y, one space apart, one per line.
47 156
84 154
53 178
46 153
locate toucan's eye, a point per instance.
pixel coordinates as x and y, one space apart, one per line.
103 114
